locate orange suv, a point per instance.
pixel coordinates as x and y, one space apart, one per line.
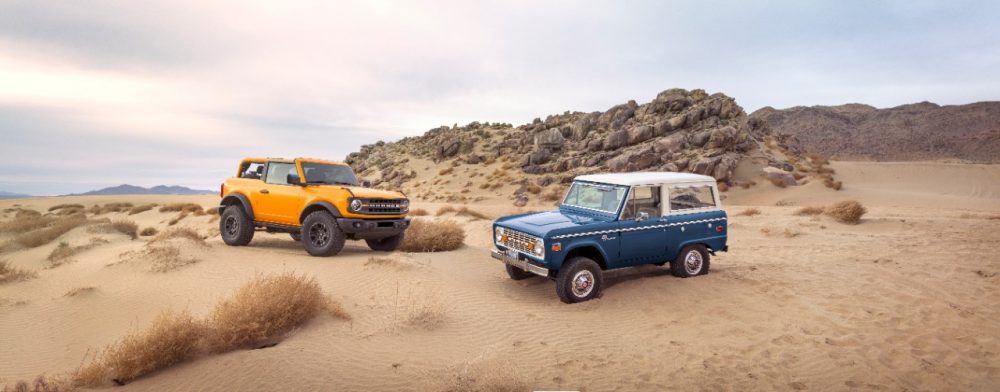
318 202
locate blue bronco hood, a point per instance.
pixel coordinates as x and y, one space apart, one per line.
542 223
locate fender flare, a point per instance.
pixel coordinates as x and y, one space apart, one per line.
232 199
320 205
581 244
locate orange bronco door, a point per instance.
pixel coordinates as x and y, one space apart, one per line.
278 201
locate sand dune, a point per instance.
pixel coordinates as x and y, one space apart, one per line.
906 300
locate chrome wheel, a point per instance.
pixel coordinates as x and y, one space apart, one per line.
693 262
583 284
319 234
232 226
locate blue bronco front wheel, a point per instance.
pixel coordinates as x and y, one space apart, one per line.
580 279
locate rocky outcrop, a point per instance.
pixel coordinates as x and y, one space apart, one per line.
679 130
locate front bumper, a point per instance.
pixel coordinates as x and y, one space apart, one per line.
519 261
372 228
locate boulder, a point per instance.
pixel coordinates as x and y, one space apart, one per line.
776 174
699 139
724 168
550 138
643 160
619 163
449 149
616 140
639 134
539 157
473 159
678 121
705 165
670 144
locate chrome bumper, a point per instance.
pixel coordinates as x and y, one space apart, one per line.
519 263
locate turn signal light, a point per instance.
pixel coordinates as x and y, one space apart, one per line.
556 247
503 238
531 246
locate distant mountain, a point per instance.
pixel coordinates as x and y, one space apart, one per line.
920 131
126 189
9 195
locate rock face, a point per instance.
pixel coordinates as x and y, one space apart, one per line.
918 131
679 130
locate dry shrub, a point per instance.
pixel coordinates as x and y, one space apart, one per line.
190 208
122 226
830 183
749 212
485 185
535 189
63 252
178 218
39 237
789 233
380 261
748 184
429 314
447 170
170 339
465 211
26 220
141 209
9 273
556 194
778 182
62 206
265 310
148 231
431 236
847 211
211 211
765 231
110 207
181 233
80 291
161 257
809 211
418 212
445 210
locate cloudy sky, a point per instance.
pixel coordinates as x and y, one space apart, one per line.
99 93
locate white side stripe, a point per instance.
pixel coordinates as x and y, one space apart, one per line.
589 233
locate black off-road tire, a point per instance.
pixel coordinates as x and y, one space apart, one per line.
321 236
517 273
572 276
387 244
296 235
235 226
692 261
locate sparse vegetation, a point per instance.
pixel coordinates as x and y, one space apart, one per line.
79 291
190 208
446 171
26 220
380 261
749 212
63 206
463 211
9 273
97 209
182 233
178 218
809 211
141 209
122 226
534 189
847 211
149 231
430 236
444 210
56 229
790 233
258 314
63 252
418 212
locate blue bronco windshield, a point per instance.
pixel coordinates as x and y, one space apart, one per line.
592 196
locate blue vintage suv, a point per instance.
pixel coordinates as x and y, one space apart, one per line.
615 220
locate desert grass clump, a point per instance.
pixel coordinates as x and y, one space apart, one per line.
66 206
847 211
97 209
790 233
380 261
445 210
122 226
171 338
26 220
418 212
56 229
446 171
749 212
9 273
465 211
534 189
63 252
149 231
264 311
427 315
141 209
80 291
190 208
178 218
555 194
804 211
431 236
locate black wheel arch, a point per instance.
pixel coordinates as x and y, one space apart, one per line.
238 199
588 251
319 206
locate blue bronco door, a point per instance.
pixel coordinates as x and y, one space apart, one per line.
642 227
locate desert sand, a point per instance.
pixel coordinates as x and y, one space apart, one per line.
905 300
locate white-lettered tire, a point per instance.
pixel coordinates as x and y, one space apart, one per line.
387 244
235 226
580 279
692 261
517 273
321 236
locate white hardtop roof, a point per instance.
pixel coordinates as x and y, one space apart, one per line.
645 178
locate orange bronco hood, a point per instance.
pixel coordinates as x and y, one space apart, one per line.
369 193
